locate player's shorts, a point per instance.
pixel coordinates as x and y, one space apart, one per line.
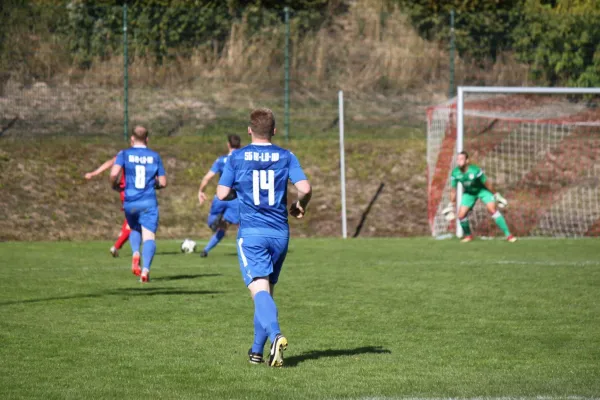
146 217
468 200
261 257
230 211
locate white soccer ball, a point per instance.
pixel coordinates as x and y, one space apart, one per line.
188 246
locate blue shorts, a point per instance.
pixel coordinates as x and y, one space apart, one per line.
261 257
142 217
229 209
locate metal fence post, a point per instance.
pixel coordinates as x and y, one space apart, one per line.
125 76
286 94
452 46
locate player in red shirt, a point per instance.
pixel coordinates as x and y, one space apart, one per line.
125 231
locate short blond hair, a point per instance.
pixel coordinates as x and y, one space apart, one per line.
262 123
139 133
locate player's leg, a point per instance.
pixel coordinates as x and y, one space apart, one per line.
490 203
220 231
466 204
135 240
148 251
123 237
278 249
256 266
255 353
226 213
217 224
149 222
125 230
266 314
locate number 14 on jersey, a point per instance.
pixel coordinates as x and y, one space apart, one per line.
263 180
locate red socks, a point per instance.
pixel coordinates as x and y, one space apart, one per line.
125 231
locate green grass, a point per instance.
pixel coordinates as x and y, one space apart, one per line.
365 318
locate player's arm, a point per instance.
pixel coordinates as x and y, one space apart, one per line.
485 181
448 211
296 175
161 180
201 195
117 166
488 185
304 195
453 195
225 193
453 185
107 164
502 202
224 188
114 177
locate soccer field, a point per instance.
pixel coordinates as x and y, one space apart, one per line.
371 318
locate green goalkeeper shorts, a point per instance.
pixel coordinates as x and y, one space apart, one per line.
468 200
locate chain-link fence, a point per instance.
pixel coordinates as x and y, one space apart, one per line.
79 69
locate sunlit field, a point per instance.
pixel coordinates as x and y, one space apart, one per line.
367 318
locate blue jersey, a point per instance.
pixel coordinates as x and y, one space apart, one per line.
141 166
219 164
259 174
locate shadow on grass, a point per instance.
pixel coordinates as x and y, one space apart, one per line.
168 253
196 253
180 277
141 291
315 355
150 291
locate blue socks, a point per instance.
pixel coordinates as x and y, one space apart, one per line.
135 240
260 336
265 311
214 240
148 253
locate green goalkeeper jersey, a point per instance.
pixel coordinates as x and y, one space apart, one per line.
472 179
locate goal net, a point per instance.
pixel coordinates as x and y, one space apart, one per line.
541 151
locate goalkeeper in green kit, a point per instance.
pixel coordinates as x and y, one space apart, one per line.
475 186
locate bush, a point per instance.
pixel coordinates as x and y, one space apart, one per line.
561 43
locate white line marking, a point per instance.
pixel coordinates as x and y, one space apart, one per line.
483 398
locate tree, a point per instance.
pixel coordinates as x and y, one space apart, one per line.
159 27
561 42
483 28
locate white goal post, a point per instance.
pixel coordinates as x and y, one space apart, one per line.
342 163
539 146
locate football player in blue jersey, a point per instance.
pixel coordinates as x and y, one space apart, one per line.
144 173
258 175
222 213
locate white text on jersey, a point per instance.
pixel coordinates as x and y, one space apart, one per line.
265 157
141 160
